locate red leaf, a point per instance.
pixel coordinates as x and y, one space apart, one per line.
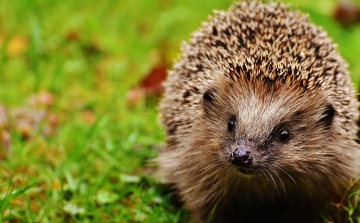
150 85
153 82
347 13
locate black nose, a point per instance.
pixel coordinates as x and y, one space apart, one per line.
241 157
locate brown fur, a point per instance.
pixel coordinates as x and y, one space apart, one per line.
271 69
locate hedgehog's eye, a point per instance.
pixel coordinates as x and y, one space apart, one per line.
231 124
284 135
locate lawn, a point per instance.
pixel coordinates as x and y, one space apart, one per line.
76 135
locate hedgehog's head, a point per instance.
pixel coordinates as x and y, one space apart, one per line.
270 130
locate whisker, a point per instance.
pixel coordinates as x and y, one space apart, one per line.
274 182
282 184
267 179
213 161
288 175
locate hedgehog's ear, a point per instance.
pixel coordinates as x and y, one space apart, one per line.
328 115
209 99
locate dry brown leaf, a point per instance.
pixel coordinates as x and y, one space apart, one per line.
56 184
6 213
25 129
35 207
73 35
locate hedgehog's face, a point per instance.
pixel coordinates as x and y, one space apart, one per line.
271 130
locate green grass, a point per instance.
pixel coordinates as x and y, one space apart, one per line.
85 156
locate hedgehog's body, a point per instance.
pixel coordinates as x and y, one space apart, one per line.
261 118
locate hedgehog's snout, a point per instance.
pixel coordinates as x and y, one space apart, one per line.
241 157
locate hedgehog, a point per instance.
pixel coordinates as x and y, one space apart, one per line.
261 118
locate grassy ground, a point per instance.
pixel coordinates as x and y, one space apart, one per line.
73 148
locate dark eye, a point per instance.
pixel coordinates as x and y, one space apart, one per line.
231 124
284 135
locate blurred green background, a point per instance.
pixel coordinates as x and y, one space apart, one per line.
79 123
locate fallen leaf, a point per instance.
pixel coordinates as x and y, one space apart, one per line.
42 98
88 116
73 35
92 48
135 95
347 13
153 82
6 213
5 147
17 46
53 120
25 129
56 184
35 207
150 85
3 117
46 98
